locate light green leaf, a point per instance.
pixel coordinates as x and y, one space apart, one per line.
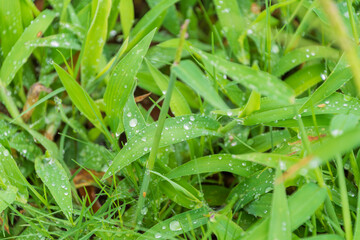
259 81
7 197
176 130
55 178
15 59
126 16
56 41
94 43
188 72
342 123
11 175
122 80
279 226
133 119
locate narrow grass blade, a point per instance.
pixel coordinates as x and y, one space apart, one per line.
330 147
300 55
63 40
126 16
176 130
11 24
55 178
214 163
279 226
122 80
325 237
335 104
94 43
81 99
301 207
259 81
228 13
178 103
11 175
179 224
15 59
306 78
191 74
224 228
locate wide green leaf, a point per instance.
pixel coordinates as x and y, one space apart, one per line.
122 80
16 59
191 74
56 180
176 130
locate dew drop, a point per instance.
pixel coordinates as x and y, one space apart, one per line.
133 122
175 226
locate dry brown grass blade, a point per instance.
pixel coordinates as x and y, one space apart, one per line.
32 98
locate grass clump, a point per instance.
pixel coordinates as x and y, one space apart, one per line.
167 119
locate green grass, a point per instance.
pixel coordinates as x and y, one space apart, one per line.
168 119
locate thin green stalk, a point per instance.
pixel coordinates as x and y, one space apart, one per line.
268 37
155 146
344 199
357 223
352 20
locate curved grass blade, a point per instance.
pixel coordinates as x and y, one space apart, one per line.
259 81
15 59
55 178
300 55
188 72
152 19
279 225
178 103
301 207
94 43
179 224
176 130
214 163
122 80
